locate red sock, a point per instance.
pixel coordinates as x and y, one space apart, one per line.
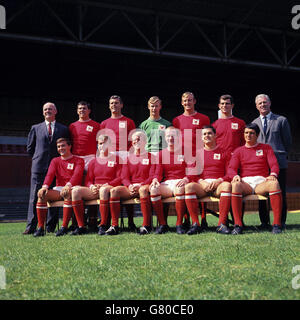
78 208
158 208
67 213
146 210
224 207
115 208
104 212
276 204
192 206
41 211
237 206
180 208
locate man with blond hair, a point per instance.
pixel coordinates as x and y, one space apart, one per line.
190 124
155 126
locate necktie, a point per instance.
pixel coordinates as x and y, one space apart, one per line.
265 125
50 131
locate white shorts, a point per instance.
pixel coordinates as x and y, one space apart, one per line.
59 188
87 159
171 184
254 181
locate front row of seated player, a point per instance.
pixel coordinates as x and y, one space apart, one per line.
252 168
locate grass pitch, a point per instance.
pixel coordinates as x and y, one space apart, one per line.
253 266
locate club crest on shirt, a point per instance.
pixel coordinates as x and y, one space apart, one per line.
122 124
196 122
145 161
234 126
162 127
89 128
180 157
70 166
217 156
259 153
110 164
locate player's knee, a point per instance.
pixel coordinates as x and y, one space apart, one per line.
154 191
189 188
236 186
143 191
114 192
103 193
76 193
226 186
179 190
273 185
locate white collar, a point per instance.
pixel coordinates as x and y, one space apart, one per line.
268 116
52 122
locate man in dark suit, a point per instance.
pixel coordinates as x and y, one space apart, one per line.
275 131
41 147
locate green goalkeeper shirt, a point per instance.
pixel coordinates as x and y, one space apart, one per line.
155 130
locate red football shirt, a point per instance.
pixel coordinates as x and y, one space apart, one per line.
229 133
84 137
65 171
259 160
121 128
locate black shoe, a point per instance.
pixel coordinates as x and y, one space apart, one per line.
61 232
29 231
132 227
180 229
186 224
237 230
194 229
112 231
79 231
102 229
223 229
39 232
162 229
72 228
276 229
145 230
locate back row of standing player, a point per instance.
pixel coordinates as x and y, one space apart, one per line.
106 179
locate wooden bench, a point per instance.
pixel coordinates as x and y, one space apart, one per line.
208 199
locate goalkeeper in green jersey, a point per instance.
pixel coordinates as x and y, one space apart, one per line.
155 126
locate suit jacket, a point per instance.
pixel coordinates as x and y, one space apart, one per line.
40 148
278 136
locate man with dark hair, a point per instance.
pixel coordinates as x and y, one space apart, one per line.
212 181
275 131
84 140
41 147
253 168
68 171
119 125
229 129
118 128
